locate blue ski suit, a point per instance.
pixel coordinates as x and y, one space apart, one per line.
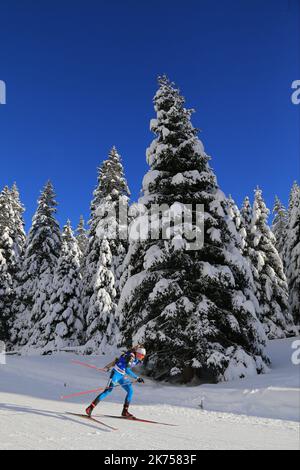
121 369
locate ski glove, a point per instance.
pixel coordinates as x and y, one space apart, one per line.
140 380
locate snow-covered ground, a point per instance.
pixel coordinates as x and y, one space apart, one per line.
259 413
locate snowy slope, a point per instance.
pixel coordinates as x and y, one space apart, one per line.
261 413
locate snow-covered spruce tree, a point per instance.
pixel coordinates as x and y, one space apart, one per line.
8 262
18 224
7 223
82 238
101 325
6 284
5 207
62 325
292 253
41 253
246 212
189 307
112 209
107 242
246 217
237 218
293 199
279 225
268 273
11 217
234 212
18 237
240 220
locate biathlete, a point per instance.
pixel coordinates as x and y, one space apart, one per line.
122 367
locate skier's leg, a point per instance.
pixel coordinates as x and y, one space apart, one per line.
126 385
113 381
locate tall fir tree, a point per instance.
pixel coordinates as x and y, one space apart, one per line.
8 262
107 242
234 212
18 225
82 238
6 284
268 273
7 224
246 212
279 225
101 324
62 325
41 253
112 210
240 219
6 212
292 252
190 308
246 217
237 218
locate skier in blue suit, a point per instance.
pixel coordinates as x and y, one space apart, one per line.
122 368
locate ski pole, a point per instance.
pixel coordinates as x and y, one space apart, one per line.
101 389
78 394
89 366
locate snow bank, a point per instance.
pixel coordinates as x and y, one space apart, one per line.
275 395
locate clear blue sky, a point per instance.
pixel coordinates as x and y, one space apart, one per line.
81 76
